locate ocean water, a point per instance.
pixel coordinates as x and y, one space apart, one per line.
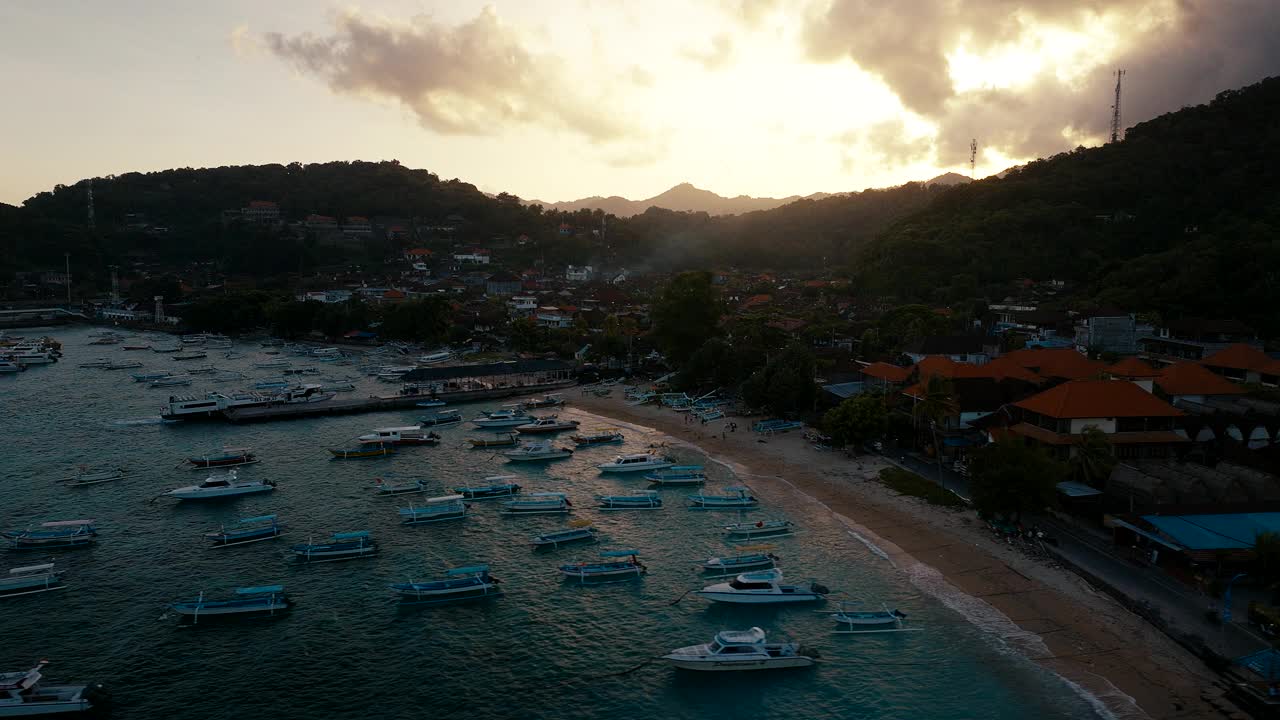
548 649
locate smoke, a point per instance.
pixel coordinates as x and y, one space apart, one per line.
471 79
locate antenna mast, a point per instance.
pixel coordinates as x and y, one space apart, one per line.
973 157
90 204
1115 110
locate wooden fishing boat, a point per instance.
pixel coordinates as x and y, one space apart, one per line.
30 580
735 498
578 531
172 381
865 622
458 585
507 440
54 535
247 530
639 500
747 557
268 600
599 437
383 489
760 529
226 457
339 546
444 417
437 509
366 451
430 403
678 475
87 476
198 355
539 503
627 567
546 401
500 486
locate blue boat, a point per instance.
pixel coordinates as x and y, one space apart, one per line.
579 531
56 535
678 475
340 546
458 585
492 491
247 530
261 600
627 568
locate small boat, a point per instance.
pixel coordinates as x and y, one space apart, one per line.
261 600
30 580
23 695
444 417
458 584
198 355
148 377
640 500
85 476
549 424
578 531
599 437
503 418
734 650
136 347
206 370
435 357
56 535
247 530
638 462
217 487
545 401
748 557
760 529
859 622
763 587
226 457
677 475
430 403
172 381
96 364
408 435
508 440
382 489
626 568
340 546
337 387
736 498
536 452
129 365
9 366
436 509
232 355
539 503
366 451
272 363
500 486
272 384
164 349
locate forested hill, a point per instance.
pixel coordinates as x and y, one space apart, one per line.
1182 217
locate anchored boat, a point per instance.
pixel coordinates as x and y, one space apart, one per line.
735 498
436 509
549 424
217 487
247 530
30 580
599 437
408 435
226 457
55 535
500 486
764 587
444 417
537 452
365 451
539 503
733 650
261 600
760 529
507 440
859 622
640 500
638 462
545 401
23 695
578 531
459 584
677 475
88 476
340 546
502 419
383 489
628 567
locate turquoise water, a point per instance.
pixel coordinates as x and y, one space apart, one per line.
349 650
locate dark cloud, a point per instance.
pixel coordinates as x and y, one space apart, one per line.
469 79
715 57
1205 46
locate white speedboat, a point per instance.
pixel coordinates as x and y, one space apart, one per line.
503 418
537 451
733 650
30 579
764 587
23 695
222 486
435 357
9 366
638 462
549 424
407 435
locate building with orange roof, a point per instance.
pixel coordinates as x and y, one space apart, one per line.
756 301
884 376
1193 382
1136 423
1057 363
1134 370
1244 364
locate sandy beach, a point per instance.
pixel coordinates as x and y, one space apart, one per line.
1058 620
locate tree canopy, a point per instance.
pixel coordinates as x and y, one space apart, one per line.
1009 478
686 313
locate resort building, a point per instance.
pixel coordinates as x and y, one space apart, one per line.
1137 424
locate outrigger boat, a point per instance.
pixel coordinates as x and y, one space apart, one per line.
57 534
549 424
502 419
217 487
860 622
86 476
640 500
627 568
763 587
545 401
171 381
494 490
430 403
444 417
536 452
30 580
149 377
508 440
578 531
638 462
748 557
22 695
267 600
382 489
366 451
127 365
436 509
198 355
340 546
733 650
459 584
539 503
760 529
95 364
736 498
599 437
677 475
408 435
226 457
247 530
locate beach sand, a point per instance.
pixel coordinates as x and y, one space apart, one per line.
1061 622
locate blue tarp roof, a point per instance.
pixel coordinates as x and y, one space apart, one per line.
1214 532
1075 489
1264 662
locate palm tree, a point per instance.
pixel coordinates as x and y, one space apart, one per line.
936 403
1092 460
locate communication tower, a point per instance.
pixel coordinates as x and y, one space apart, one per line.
1115 110
973 158
90 204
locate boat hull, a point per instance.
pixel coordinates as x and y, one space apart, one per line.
758 599
75 703
219 493
711 665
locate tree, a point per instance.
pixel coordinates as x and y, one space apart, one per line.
857 420
785 384
1092 462
686 313
425 320
1009 478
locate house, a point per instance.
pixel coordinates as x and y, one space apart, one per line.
325 296
125 314
973 349
1188 382
320 223
502 283
1108 333
1244 363
1134 370
1137 424
755 301
393 296
357 226
474 256
883 376
1195 339
553 317
261 211
522 306
1056 364
578 274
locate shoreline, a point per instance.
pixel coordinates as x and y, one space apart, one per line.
1114 659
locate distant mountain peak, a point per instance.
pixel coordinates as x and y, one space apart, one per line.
949 178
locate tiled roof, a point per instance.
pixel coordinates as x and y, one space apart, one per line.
1097 399
1063 363
1050 437
1188 378
1132 367
888 373
1243 357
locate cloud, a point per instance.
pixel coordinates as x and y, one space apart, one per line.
717 56
242 42
470 79
641 77
889 143
1176 53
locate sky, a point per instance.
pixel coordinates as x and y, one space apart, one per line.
561 99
